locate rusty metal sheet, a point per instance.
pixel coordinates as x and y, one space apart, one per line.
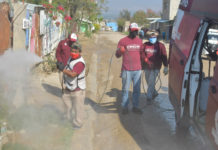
5 31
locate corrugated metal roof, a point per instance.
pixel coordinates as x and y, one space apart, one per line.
160 20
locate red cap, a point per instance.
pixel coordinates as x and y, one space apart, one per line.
134 27
73 37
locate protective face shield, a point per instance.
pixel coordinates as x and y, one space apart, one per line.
153 40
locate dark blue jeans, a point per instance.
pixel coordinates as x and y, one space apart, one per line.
127 78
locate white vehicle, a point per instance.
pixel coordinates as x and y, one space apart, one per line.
212 41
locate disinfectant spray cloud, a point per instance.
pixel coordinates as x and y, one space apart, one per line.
32 114
15 72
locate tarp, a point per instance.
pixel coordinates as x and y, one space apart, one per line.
113 25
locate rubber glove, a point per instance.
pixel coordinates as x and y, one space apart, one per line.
60 66
122 49
165 71
146 59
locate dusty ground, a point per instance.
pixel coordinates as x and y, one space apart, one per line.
105 127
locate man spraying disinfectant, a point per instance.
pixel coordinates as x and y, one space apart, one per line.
129 49
63 54
74 86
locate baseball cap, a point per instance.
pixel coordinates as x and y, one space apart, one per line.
134 26
152 33
73 37
76 45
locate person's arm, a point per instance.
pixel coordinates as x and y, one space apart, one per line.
120 50
70 73
163 55
77 69
142 53
144 57
58 53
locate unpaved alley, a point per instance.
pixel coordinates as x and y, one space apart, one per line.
110 130
105 128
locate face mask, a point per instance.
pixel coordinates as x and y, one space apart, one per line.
153 40
74 55
133 34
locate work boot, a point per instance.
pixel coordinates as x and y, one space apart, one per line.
154 95
149 102
75 126
125 111
137 110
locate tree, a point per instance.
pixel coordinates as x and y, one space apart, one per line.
121 23
123 17
151 14
140 18
125 14
75 10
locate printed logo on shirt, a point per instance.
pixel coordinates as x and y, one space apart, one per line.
133 47
150 50
65 44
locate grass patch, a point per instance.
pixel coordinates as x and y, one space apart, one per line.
44 122
15 146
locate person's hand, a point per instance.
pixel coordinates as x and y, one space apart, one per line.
165 71
60 66
146 60
122 49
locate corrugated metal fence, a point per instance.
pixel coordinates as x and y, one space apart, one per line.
33 29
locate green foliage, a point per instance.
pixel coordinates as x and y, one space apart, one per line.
120 23
46 122
97 27
15 146
76 9
88 33
140 18
34 1
3 108
125 14
151 14
123 17
66 135
30 118
49 64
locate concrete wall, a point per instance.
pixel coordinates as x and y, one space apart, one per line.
174 4
170 8
166 9
19 34
126 27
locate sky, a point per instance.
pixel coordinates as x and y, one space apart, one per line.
115 6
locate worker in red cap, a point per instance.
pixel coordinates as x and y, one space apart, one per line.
63 54
129 48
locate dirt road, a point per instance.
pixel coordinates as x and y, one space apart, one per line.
154 130
105 127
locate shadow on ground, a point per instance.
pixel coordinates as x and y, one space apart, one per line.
145 128
52 89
